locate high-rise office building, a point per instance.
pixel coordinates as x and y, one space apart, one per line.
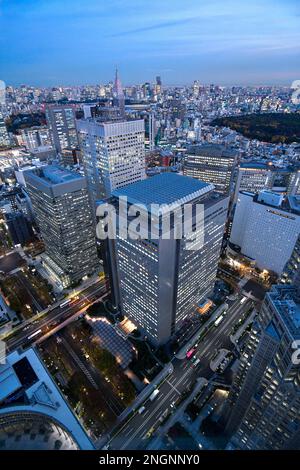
196 88
4 137
161 278
291 271
61 208
19 228
253 177
36 137
211 163
256 176
113 154
118 95
294 182
265 396
158 86
61 123
266 227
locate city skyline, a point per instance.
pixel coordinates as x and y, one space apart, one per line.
255 44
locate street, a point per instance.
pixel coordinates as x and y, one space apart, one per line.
133 433
55 319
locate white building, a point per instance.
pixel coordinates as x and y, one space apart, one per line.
29 399
113 154
253 177
265 228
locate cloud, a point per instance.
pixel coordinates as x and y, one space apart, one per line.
164 25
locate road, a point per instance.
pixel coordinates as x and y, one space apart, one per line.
133 433
55 318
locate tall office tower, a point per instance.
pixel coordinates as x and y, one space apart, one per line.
163 278
253 177
158 86
4 137
113 154
196 88
265 396
118 95
291 271
61 123
147 90
19 228
61 207
294 182
211 163
36 137
266 227
152 133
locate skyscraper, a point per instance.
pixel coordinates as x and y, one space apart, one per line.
266 227
4 137
113 154
253 177
211 163
257 176
19 228
265 396
61 123
162 280
61 207
291 271
118 95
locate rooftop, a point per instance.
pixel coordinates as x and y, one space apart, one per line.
29 389
56 175
286 300
255 165
291 204
212 150
165 189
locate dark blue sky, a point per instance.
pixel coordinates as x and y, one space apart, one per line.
61 42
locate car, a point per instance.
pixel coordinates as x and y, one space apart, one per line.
141 410
150 432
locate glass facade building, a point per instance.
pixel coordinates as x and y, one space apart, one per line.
162 277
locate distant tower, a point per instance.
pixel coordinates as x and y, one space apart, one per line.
118 94
151 131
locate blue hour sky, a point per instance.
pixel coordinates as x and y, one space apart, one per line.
70 42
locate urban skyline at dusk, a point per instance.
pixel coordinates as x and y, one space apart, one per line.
149 231
72 43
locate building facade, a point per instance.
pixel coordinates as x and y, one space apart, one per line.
291 271
62 127
161 278
113 155
265 396
265 227
211 163
61 208
4 137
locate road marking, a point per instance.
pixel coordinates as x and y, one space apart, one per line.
174 388
152 414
